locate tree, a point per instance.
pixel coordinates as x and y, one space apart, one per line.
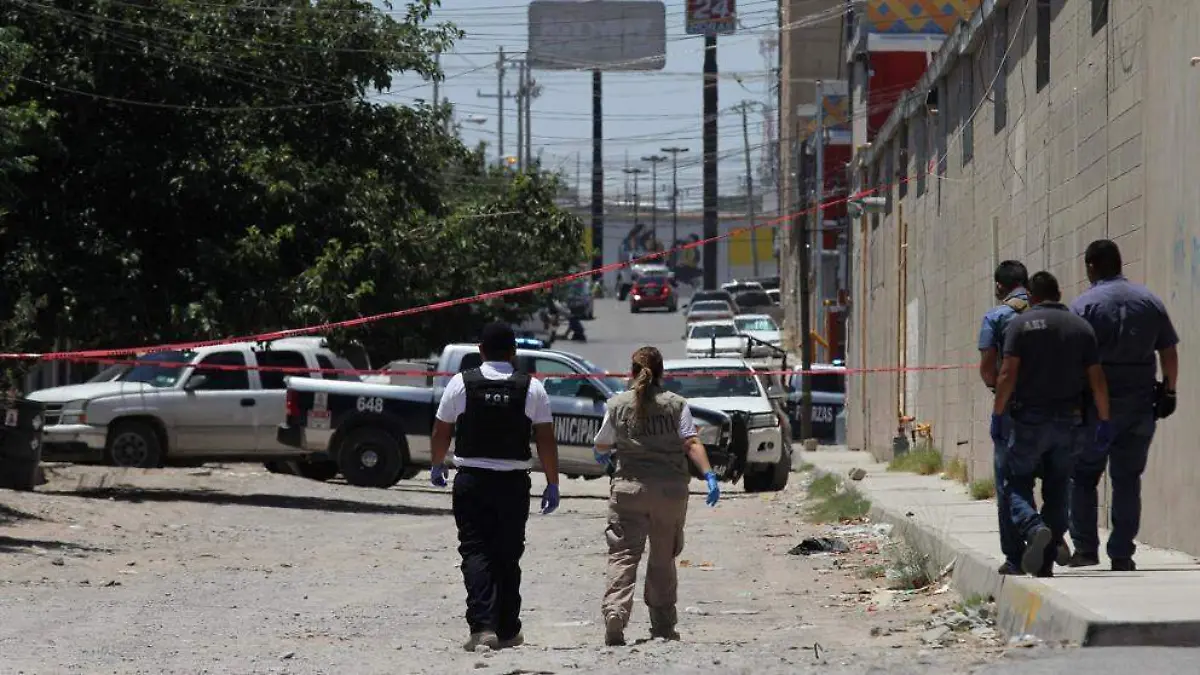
222 168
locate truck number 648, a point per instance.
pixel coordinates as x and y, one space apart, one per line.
370 404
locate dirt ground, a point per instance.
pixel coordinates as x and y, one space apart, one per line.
230 569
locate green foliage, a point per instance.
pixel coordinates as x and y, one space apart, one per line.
984 488
225 168
922 461
957 470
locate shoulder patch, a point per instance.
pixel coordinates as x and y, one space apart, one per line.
1017 305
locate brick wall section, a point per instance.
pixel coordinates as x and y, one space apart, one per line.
1069 166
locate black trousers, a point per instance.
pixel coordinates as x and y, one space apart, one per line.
491 509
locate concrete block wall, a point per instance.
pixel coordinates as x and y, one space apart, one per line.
1106 149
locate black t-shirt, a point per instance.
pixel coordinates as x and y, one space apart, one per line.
1056 348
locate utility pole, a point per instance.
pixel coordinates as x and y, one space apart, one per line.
654 160
710 161
500 95
578 178
744 107
819 219
674 152
806 346
437 66
597 170
532 91
521 112
635 172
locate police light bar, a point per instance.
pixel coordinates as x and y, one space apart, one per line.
530 343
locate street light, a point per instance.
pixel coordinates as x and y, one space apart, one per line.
674 152
654 160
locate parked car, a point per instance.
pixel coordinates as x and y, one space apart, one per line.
713 339
722 295
642 270
763 329
828 398
653 291
379 433
775 295
736 287
758 302
167 408
767 283
709 310
581 300
757 414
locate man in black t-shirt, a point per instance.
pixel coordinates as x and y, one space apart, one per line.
1050 358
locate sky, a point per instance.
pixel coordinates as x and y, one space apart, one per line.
644 111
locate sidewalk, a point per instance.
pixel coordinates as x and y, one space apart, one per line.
1158 605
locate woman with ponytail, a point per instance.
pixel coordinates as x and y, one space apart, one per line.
653 435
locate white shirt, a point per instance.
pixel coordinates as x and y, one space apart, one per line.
608 434
454 403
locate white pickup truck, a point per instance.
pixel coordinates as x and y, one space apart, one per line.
168 409
380 433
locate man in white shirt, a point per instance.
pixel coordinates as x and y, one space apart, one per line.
491 412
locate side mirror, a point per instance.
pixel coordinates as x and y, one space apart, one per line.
589 390
195 382
776 392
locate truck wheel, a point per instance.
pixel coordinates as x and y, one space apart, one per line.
371 457
320 470
778 476
277 466
134 444
754 479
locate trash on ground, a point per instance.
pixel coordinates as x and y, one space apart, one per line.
819 545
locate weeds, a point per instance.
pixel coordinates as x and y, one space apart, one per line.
956 470
910 569
924 462
973 601
984 488
848 504
805 466
823 487
873 572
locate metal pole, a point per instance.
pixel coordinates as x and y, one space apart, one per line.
529 96
521 116
597 170
654 198
674 151
806 342
749 190
500 105
819 234
710 161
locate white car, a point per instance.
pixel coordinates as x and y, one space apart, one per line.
168 408
733 386
712 339
775 295
763 329
736 287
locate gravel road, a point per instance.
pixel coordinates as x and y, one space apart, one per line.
232 569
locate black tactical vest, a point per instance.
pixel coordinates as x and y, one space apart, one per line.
493 424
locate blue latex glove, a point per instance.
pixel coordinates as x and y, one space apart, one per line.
549 499
1104 436
602 458
997 428
714 489
437 475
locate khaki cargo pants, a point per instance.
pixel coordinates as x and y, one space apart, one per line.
639 510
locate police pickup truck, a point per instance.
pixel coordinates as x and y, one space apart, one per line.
380 433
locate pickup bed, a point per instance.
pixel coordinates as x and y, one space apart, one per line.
379 433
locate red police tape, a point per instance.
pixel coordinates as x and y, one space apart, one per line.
91 354
297 370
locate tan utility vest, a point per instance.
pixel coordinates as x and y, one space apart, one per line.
649 448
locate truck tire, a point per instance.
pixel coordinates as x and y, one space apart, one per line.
779 473
134 444
319 470
278 466
371 457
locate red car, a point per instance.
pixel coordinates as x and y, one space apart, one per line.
653 292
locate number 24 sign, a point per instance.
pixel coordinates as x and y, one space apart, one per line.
711 17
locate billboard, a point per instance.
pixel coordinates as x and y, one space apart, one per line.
711 17
597 35
917 17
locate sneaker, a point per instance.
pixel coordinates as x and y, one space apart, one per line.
1081 559
1008 569
614 632
1035 551
514 641
485 640
1123 565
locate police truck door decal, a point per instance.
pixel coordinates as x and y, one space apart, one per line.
573 430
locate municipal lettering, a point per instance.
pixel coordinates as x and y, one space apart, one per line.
576 430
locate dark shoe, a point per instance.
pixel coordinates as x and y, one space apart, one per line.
1008 569
1035 551
1063 555
1081 559
614 632
514 641
1123 565
662 624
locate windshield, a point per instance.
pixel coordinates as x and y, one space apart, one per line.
147 370
730 382
711 306
616 385
720 330
110 374
701 296
757 323
753 299
827 383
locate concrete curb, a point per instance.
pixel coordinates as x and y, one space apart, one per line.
1025 606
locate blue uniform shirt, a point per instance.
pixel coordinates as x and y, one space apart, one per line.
991 330
1131 324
